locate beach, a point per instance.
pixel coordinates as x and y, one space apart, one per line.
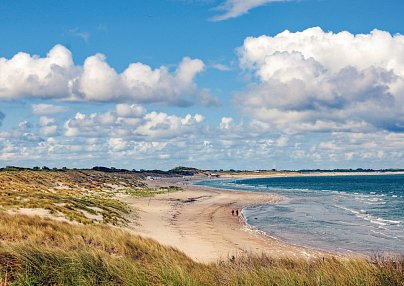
198 221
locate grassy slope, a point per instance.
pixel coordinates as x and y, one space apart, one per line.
80 196
39 251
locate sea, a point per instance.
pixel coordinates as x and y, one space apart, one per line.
346 214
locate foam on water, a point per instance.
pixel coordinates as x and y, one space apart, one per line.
343 213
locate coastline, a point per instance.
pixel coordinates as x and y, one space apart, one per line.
337 251
260 175
198 221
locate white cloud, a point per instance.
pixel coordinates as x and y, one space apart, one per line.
126 110
236 8
221 67
57 77
45 121
48 77
318 81
170 140
162 125
139 82
89 125
48 109
117 144
48 126
132 123
226 122
49 130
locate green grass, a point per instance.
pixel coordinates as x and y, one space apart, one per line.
148 192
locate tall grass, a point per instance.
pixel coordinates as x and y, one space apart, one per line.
38 251
86 197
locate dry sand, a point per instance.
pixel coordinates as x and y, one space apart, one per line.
198 221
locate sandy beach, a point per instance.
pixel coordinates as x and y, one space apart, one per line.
199 222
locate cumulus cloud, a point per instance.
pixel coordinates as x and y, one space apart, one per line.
236 8
117 144
161 125
323 81
48 77
132 122
170 140
48 126
56 76
126 110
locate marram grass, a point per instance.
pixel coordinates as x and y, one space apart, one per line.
85 197
38 251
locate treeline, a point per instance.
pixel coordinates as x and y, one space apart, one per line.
179 171
189 171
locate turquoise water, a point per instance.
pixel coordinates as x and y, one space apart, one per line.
340 213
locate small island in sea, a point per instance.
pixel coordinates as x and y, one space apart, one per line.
108 226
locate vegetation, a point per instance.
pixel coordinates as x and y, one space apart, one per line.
39 251
82 196
178 171
147 192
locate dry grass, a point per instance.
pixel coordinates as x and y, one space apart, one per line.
82 196
38 251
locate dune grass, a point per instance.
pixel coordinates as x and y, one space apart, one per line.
147 192
82 196
40 251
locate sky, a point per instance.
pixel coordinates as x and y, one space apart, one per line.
212 84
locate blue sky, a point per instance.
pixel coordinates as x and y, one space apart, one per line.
210 84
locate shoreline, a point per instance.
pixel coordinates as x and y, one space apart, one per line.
342 252
198 221
243 220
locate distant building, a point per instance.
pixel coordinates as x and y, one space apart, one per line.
213 175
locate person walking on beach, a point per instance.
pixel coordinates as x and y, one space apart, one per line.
232 212
236 212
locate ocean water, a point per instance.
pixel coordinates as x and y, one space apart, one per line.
338 213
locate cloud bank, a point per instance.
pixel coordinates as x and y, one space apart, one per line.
131 122
57 77
323 81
